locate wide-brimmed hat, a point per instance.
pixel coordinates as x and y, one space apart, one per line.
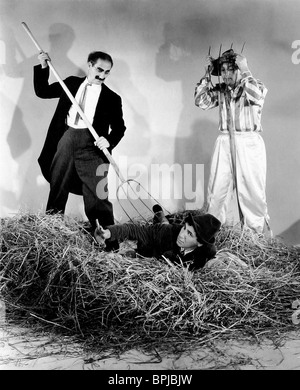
228 56
206 226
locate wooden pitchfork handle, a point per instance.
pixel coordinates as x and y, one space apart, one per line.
75 103
233 153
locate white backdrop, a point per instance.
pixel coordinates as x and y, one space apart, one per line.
158 47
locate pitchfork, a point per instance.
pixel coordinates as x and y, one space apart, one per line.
96 137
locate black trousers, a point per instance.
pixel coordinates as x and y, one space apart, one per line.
77 155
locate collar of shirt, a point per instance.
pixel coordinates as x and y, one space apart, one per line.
92 96
96 87
234 92
185 251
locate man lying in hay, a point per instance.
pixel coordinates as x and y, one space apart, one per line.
191 243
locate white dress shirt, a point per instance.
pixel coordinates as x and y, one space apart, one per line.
91 100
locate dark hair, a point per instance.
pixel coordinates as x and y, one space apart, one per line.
96 55
228 57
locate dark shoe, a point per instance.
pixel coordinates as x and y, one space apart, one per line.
159 216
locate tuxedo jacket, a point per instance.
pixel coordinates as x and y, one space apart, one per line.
108 120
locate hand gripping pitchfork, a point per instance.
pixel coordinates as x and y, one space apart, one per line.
91 129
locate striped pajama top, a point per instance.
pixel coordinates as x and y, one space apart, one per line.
246 102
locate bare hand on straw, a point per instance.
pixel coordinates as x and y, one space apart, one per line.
102 143
101 234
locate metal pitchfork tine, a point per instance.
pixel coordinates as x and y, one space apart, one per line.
128 181
92 130
243 47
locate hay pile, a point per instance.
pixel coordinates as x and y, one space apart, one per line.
52 272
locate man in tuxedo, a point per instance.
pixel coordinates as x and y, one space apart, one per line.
71 160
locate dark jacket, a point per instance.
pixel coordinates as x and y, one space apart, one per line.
108 120
160 239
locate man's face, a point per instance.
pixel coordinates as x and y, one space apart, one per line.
98 72
187 238
229 74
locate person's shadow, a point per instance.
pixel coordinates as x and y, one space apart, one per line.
137 137
32 115
179 58
131 200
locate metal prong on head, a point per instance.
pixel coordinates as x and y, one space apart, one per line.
98 224
220 50
218 63
243 47
209 51
231 45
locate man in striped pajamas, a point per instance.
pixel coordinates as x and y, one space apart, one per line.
239 158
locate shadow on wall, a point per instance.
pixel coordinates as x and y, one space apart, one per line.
32 115
137 138
134 146
178 60
292 234
198 148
